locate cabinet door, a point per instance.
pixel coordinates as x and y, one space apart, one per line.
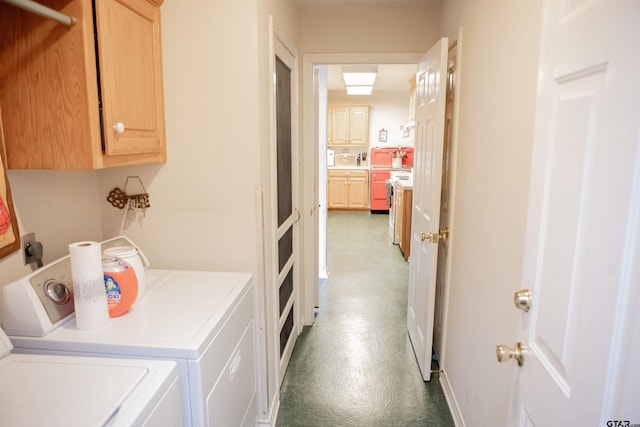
379 190
359 126
357 193
337 192
48 90
131 76
405 233
399 205
340 126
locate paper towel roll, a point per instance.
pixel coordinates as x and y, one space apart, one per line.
89 295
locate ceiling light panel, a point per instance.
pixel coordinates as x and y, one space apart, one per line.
359 90
359 79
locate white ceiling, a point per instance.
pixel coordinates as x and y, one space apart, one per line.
391 77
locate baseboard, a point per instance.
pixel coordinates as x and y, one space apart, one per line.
451 400
273 415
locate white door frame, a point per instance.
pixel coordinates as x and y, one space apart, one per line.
310 158
455 42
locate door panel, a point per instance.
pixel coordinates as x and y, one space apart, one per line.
359 125
584 178
429 117
283 126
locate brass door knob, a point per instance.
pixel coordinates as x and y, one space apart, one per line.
504 353
426 236
523 299
443 233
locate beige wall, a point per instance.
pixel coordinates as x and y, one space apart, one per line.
202 204
60 207
497 97
411 27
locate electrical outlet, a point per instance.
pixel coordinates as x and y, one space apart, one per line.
26 239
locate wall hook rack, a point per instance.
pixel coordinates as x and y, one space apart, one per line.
119 198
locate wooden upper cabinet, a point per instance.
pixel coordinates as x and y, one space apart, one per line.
348 125
64 90
131 75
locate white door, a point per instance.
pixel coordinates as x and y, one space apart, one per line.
429 139
287 214
582 234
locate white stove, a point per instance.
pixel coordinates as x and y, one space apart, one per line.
71 391
203 321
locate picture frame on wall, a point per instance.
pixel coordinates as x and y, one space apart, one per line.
382 136
9 234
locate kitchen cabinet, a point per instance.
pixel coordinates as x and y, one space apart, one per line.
83 97
404 200
347 189
348 125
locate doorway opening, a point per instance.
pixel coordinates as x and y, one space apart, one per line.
314 181
353 126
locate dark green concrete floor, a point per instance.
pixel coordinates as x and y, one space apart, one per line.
355 365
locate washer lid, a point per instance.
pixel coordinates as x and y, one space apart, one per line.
71 391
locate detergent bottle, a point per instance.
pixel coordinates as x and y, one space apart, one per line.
130 255
121 285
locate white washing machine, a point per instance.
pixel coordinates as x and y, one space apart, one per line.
204 321
72 391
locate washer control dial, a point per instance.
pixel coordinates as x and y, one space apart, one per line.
57 291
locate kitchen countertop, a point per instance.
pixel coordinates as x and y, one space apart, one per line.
368 167
407 184
353 167
389 168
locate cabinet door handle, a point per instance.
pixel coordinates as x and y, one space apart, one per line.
119 127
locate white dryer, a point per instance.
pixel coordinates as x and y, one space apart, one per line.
204 321
71 391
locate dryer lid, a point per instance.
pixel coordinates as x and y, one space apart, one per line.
78 392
